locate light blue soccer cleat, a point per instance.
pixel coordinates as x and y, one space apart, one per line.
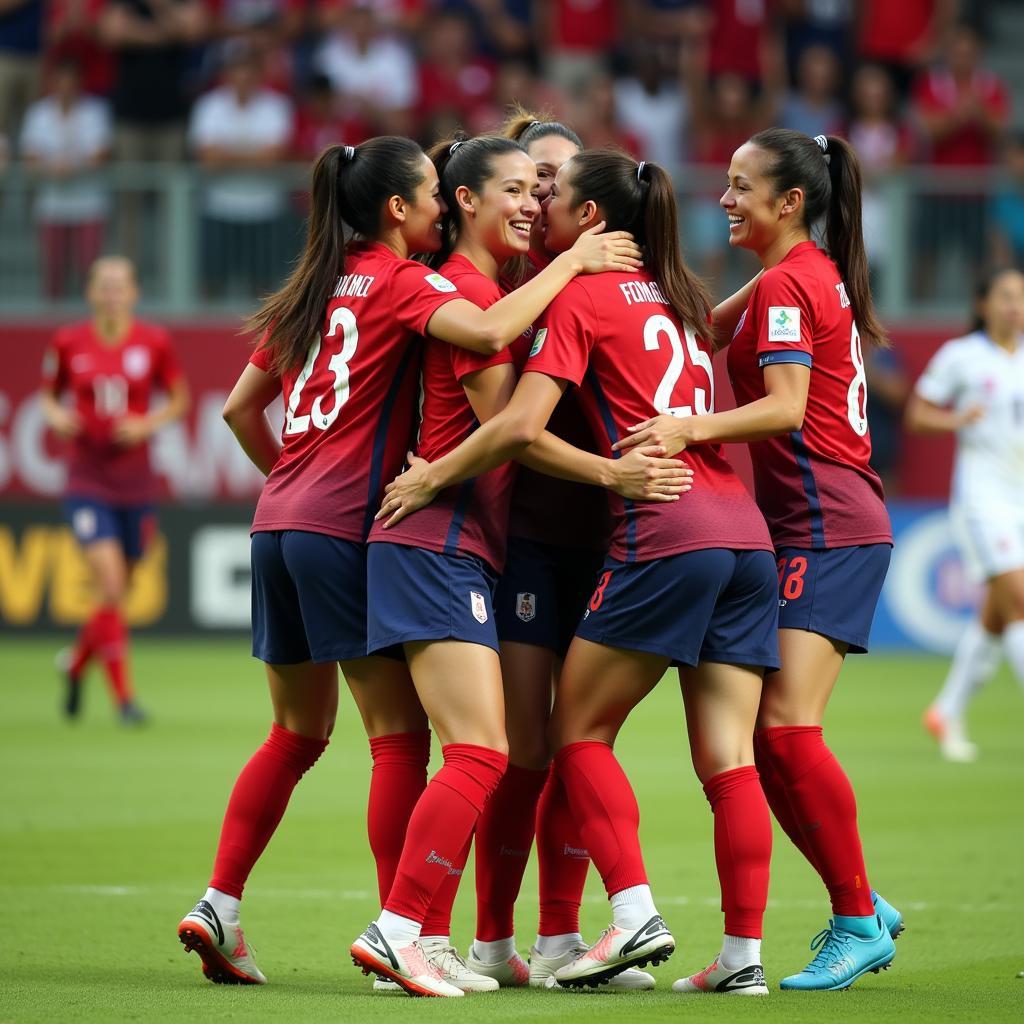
842 957
891 917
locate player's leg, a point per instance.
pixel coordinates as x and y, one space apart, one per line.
1008 592
598 688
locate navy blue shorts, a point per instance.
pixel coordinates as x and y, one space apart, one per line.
832 592
91 520
708 605
308 597
543 592
415 594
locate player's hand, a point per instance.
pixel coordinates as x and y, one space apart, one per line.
615 250
65 422
407 492
670 433
971 415
131 430
643 475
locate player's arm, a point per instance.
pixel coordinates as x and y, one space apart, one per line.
925 417
131 430
726 315
640 475
64 422
781 411
462 323
245 412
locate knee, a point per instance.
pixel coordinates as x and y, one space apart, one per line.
529 751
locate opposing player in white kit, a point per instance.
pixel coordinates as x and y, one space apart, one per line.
974 387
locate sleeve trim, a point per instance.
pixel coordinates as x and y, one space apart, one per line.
773 358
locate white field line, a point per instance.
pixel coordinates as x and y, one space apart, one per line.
363 895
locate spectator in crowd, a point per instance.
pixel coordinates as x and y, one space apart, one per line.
21 34
743 39
321 121
651 103
1007 209
578 36
501 28
807 23
239 129
597 119
66 135
452 78
814 107
72 33
403 17
369 64
962 109
882 141
905 36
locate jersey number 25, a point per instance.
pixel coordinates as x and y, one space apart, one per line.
704 400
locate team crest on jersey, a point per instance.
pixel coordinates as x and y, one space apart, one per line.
135 361
439 283
478 606
783 323
526 606
538 342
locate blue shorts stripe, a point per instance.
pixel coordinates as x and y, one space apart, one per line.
803 460
451 540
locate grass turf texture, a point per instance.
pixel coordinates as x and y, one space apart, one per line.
108 836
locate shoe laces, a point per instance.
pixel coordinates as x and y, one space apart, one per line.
446 959
418 960
832 946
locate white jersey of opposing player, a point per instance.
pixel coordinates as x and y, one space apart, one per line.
975 371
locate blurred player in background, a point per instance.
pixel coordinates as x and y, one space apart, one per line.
798 373
974 387
108 368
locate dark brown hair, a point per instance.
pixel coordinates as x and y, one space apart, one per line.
526 127
831 183
470 165
983 285
350 186
640 198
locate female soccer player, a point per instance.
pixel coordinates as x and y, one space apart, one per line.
974 387
634 343
798 374
109 366
338 346
431 578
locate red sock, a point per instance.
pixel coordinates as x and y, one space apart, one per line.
443 820
605 807
562 861
85 644
439 914
110 639
778 798
743 848
397 781
504 836
825 810
258 802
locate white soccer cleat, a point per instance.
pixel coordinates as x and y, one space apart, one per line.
445 957
615 951
221 947
407 966
511 973
747 981
543 968
953 743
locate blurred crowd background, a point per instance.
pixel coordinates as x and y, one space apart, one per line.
179 132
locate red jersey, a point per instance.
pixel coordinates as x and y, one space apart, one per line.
109 382
616 337
895 31
349 407
547 510
969 145
470 518
814 486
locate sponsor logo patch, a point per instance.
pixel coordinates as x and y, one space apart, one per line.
478 606
135 362
526 606
784 323
439 283
538 342
84 523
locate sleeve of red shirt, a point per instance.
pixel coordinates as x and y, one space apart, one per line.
783 319
167 369
55 365
417 293
565 335
481 292
261 357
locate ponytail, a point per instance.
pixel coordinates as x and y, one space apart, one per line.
827 170
640 198
350 185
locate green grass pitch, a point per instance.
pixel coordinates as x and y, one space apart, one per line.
107 835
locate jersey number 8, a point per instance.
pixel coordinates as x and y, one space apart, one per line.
704 400
345 319
857 393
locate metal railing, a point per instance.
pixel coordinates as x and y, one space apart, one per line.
209 244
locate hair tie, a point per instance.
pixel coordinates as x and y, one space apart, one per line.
350 152
822 142
455 146
532 124
640 170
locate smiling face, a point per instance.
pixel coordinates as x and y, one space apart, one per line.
422 226
503 213
562 213
754 210
549 153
